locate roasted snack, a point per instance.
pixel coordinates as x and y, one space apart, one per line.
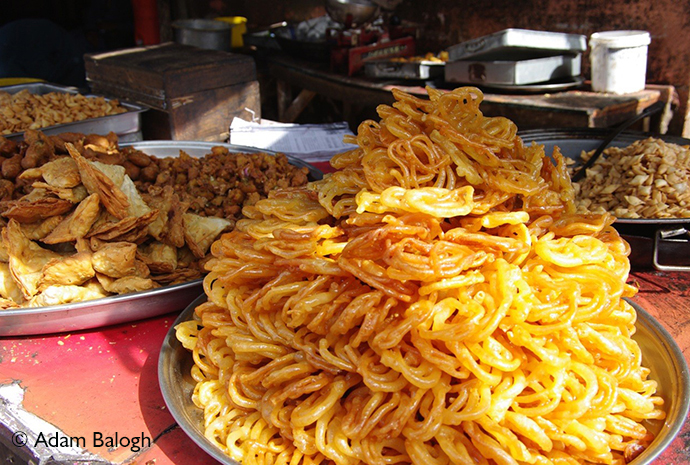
24 110
72 217
648 179
435 300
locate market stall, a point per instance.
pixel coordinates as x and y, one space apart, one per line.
444 283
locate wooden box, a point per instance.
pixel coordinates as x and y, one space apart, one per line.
192 93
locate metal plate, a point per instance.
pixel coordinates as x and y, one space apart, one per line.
126 125
125 307
517 44
659 352
573 142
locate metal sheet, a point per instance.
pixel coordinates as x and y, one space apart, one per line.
517 44
659 352
126 125
126 307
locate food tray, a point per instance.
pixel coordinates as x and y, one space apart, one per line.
650 239
125 307
126 125
403 69
659 352
517 44
514 73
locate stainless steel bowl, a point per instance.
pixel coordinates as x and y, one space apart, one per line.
351 12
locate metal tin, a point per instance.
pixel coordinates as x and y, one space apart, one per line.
659 243
125 307
514 73
403 69
203 33
126 125
660 354
517 44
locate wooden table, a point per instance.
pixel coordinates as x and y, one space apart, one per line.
571 108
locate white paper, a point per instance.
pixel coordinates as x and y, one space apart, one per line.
309 142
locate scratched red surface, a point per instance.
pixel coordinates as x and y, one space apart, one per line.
103 381
106 380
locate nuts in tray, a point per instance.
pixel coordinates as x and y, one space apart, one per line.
647 179
81 218
24 110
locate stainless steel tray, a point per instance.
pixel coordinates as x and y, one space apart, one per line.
126 125
125 307
514 73
651 240
659 352
517 44
403 70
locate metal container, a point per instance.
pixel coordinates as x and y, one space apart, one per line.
126 125
660 354
662 244
518 44
403 69
514 73
125 307
203 33
351 12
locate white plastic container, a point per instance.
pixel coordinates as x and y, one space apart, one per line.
619 61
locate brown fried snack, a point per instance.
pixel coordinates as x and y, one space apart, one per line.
84 219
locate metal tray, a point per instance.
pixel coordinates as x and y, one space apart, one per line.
126 125
514 73
517 44
403 70
659 243
125 307
659 352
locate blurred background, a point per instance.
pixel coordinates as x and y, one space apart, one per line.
47 38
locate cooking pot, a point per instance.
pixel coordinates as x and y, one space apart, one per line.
662 244
203 33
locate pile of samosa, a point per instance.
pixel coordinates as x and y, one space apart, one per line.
84 231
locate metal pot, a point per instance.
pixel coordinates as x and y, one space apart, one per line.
351 12
203 33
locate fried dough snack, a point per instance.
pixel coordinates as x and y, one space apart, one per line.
115 220
435 300
89 249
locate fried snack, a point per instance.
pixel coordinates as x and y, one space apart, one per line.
647 179
435 300
24 110
90 225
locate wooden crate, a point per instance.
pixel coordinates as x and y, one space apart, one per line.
192 93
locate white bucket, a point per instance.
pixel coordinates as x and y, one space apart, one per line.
619 61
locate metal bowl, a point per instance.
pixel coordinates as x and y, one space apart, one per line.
351 12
